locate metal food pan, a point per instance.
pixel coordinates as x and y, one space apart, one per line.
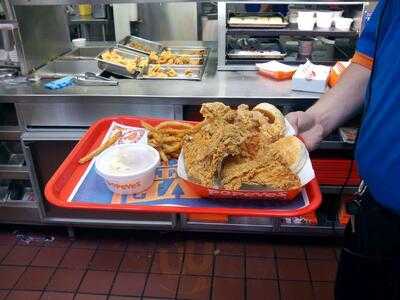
189 51
263 15
117 68
152 46
259 55
197 73
195 62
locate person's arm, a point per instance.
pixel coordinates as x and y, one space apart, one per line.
341 102
334 108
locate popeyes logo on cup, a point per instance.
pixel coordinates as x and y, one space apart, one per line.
133 185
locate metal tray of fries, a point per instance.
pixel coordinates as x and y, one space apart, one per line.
141 45
117 68
191 51
183 73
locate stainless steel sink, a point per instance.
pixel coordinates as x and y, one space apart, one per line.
84 53
61 68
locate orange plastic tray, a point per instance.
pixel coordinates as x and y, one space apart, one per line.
62 183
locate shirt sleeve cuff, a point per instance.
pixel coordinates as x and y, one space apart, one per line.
363 60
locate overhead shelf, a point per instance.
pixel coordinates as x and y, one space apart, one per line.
291 30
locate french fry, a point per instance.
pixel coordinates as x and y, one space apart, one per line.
163 155
198 126
171 139
148 126
171 148
101 148
173 124
173 131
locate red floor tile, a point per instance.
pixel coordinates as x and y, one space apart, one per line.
49 257
20 256
228 288
199 247
114 244
24 295
112 297
288 251
167 263
197 264
7 238
3 294
97 282
171 245
85 243
262 289
77 258
136 262
60 242
315 252
129 284
65 280
194 288
161 286
230 248
90 297
229 266
292 269
141 245
259 250
106 260
322 270
34 278
295 290
9 275
57 296
260 268
324 290
4 250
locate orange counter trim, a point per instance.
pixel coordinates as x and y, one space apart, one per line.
363 60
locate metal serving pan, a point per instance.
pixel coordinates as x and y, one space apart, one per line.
149 45
249 16
256 54
197 73
189 51
117 68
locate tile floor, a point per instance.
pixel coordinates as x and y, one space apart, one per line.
128 265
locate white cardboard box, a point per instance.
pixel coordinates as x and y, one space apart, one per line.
311 78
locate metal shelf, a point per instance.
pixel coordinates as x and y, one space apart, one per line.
231 61
291 30
10 133
335 145
14 172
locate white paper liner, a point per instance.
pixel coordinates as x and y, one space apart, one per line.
123 140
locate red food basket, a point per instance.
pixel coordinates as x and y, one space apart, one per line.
65 179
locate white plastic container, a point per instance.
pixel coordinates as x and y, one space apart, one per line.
343 24
324 19
81 42
128 168
306 20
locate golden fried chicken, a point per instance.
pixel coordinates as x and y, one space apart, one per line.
263 171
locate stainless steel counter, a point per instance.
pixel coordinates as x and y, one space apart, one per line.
231 87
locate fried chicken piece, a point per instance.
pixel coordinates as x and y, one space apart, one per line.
220 136
273 174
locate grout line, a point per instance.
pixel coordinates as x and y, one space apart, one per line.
245 271
116 272
153 253
213 270
181 270
309 272
86 270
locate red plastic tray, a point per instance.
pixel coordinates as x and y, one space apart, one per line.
61 184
